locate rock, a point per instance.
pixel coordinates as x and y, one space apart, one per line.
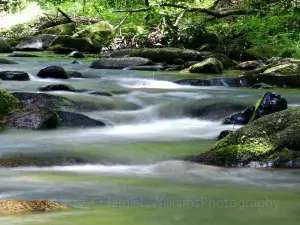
240 118
21 206
7 102
14 75
274 60
30 116
81 44
236 49
145 68
257 52
270 141
101 32
209 65
76 54
117 53
56 72
101 93
74 74
261 86
270 103
63 29
119 63
55 102
224 133
57 87
23 55
286 69
30 44
166 54
231 82
68 119
5 47
178 61
76 62
225 60
6 61
249 65
190 63
64 50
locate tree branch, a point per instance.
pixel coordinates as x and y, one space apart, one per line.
65 15
180 17
134 10
124 19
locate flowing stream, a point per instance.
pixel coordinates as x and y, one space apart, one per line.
151 124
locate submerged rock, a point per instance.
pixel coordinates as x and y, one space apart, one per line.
56 72
261 86
6 61
5 47
74 74
58 87
14 75
209 65
270 141
101 93
21 206
231 82
68 119
119 63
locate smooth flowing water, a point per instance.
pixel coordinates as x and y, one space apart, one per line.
151 124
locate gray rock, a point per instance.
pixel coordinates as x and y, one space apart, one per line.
119 63
7 61
5 47
68 119
14 75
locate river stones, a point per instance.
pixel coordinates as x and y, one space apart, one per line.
74 74
6 61
119 63
5 47
270 103
270 141
57 87
14 75
56 72
209 65
22 206
68 119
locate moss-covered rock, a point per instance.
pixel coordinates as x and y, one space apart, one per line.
119 63
286 69
63 29
101 32
5 47
81 44
261 141
166 54
225 60
7 102
209 65
258 52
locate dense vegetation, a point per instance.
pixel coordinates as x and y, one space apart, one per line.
274 23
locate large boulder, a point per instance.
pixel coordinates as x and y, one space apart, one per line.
56 72
14 75
271 141
119 63
209 65
286 69
63 29
69 119
166 54
225 60
101 32
5 47
270 103
249 65
38 43
81 44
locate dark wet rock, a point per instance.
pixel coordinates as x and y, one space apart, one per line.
145 68
74 74
55 102
23 55
270 141
270 103
6 61
190 63
117 53
119 63
225 60
5 47
29 116
56 72
231 82
178 61
101 93
14 75
64 50
209 65
81 44
76 54
240 118
68 119
261 86
235 49
57 87
216 111
166 54
249 65
76 62
224 133
30 44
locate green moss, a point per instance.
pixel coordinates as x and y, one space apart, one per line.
257 104
209 65
286 69
7 102
258 52
63 29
